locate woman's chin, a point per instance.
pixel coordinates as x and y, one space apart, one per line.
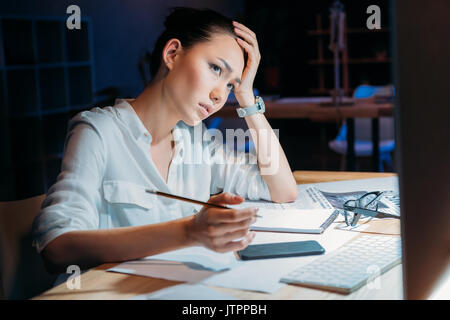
192 122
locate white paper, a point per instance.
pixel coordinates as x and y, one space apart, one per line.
257 275
303 201
204 258
185 292
358 228
291 219
374 184
168 270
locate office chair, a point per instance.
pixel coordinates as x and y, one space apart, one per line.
363 138
22 271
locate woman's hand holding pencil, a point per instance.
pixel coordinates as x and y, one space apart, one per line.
217 226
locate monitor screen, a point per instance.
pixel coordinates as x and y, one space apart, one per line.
422 75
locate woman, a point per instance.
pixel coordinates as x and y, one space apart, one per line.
98 210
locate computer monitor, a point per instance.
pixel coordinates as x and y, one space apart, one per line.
422 76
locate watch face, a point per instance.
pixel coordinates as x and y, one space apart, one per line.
262 105
241 112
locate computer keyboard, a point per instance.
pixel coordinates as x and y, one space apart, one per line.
350 267
318 199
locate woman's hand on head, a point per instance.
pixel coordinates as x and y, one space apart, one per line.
218 229
244 91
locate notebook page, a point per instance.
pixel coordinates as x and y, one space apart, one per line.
292 218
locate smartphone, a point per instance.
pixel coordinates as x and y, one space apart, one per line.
280 250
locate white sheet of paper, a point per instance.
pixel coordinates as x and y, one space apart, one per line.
169 270
205 258
185 292
304 202
374 184
295 219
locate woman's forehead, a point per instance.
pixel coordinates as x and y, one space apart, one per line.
224 47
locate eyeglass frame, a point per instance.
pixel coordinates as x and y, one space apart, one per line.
359 210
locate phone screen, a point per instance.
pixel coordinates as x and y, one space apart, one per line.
280 250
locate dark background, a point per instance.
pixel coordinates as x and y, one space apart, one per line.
44 80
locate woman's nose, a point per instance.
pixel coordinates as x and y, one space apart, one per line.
217 96
215 99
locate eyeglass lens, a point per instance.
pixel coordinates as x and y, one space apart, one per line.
350 218
368 200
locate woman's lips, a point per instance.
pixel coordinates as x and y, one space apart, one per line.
206 109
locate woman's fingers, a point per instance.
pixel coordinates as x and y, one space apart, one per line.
250 50
237 245
217 216
216 228
246 36
226 198
230 236
250 45
247 41
226 228
244 28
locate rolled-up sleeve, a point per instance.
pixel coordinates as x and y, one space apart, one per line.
237 173
72 203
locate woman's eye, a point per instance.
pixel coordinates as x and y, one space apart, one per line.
230 86
216 69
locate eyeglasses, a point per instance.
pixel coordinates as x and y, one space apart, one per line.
367 205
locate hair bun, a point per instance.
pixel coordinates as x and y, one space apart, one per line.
189 26
179 17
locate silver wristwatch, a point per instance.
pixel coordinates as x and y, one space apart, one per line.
258 107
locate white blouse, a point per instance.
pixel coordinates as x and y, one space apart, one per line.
107 166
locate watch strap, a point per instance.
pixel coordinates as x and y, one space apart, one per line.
258 107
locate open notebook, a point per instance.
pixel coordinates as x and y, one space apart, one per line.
295 220
311 212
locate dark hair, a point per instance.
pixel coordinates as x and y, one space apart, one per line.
190 26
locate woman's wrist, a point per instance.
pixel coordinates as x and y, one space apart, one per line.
246 101
188 231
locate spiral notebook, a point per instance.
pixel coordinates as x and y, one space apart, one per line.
295 220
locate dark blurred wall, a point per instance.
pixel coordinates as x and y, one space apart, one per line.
32 125
122 31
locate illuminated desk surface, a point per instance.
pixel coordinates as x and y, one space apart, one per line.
99 284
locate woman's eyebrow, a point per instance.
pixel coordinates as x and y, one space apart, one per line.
229 69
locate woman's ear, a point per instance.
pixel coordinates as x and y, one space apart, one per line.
171 52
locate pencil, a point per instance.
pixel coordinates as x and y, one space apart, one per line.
172 196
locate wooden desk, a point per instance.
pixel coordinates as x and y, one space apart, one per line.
313 109
99 284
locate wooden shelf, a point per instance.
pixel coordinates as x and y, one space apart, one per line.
46 65
326 32
327 91
365 58
351 61
46 77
